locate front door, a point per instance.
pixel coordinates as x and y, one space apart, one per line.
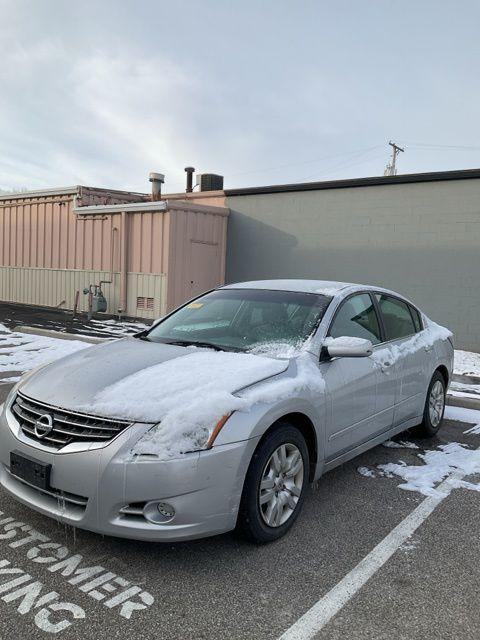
360 391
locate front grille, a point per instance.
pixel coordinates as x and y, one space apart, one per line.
67 427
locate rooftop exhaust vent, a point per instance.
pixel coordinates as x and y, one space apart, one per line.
189 171
157 179
209 182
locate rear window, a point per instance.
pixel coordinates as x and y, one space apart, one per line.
396 315
417 321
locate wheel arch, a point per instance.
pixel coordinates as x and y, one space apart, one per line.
304 424
442 369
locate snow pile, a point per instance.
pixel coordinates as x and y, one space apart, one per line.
466 363
367 472
447 459
20 352
190 394
401 444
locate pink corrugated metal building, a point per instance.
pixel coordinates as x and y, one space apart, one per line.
156 254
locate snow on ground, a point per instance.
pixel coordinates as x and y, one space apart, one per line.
438 463
367 472
401 444
462 414
118 328
463 390
188 396
20 352
466 363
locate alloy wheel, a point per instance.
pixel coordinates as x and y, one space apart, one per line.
436 403
281 485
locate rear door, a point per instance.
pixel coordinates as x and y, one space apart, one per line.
360 393
402 323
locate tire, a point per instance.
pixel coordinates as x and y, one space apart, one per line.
433 415
267 513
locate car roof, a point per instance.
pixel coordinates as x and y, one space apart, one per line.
324 287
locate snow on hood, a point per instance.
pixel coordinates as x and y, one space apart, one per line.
189 395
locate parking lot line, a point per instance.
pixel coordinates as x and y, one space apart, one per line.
313 621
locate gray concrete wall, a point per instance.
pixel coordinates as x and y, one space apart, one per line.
421 239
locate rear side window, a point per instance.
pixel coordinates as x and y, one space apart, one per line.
417 321
396 317
357 318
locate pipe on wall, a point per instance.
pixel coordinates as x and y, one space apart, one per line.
112 251
123 263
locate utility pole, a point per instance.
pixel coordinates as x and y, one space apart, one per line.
391 168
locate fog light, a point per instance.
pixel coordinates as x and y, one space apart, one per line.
158 512
166 509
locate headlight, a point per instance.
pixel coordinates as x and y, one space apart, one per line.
20 383
152 443
11 394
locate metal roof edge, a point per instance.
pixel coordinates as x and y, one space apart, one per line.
374 181
187 205
74 190
40 193
159 205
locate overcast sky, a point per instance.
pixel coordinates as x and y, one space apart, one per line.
101 93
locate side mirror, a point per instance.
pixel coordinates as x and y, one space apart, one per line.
346 347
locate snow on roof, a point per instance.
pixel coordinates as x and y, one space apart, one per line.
324 287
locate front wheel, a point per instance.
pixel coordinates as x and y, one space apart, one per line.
275 485
434 408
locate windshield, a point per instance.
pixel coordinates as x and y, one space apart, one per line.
244 319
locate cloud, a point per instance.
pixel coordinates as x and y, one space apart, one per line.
103 93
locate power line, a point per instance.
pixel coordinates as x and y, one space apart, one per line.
344 164
441 146
303 163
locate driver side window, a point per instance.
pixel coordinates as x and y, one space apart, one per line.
357 318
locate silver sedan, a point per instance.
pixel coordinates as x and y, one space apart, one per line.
221 414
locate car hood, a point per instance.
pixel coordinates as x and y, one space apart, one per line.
74 381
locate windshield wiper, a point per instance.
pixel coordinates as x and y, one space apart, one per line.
143 335
206 345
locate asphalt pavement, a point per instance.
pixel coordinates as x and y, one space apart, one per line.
224 587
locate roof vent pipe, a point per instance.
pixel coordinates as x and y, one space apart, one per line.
189 171
157 179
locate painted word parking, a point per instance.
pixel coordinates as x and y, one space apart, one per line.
49 611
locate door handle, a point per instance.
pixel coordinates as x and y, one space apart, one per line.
386 366
428 348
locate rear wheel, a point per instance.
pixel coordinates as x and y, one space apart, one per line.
434 408
275 485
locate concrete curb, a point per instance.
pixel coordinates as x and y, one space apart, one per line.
467 403
50 333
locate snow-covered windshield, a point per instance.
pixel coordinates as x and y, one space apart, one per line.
243 319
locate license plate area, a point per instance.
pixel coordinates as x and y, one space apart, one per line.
30 470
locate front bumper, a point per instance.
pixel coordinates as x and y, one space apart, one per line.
90 488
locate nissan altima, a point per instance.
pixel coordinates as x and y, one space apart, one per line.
222 413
